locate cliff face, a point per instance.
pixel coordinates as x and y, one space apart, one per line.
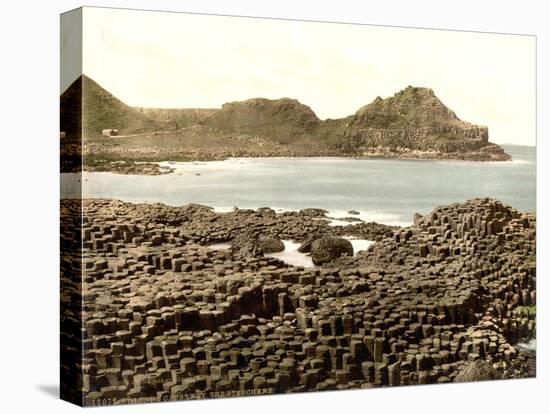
414 119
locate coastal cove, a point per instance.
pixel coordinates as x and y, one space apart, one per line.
381 190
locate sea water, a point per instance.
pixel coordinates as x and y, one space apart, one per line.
387 191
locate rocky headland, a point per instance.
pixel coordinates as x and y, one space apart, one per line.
412 124
166 317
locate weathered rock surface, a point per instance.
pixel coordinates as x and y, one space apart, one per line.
479 370
247 244
415 120
127 167
327 249
159 315
283 119
87 108
270 244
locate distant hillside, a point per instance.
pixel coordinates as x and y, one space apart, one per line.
283 120
414 119
70 109
100 110
179 118
413 123
411 107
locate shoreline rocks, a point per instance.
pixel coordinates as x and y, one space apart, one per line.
478 370
326 249
145 162
165 317
270 244
127 167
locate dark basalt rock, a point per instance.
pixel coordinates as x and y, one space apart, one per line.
306 244
326 249
420 306
247 244
270 244
313 212
479 370
267 211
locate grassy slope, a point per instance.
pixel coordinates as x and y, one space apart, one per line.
410 108
70 110
179 118
282 120
101 110
253 127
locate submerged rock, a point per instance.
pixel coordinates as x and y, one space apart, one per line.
326 249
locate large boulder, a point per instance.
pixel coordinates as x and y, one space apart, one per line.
327 249
246 244
270 244
479 370
267 212
305 247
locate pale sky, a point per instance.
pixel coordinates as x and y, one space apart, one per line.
175 60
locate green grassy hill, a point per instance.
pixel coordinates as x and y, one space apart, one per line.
100 110
414 119
70 110
179 118
283 120
409 108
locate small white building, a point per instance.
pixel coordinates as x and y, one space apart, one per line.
109 132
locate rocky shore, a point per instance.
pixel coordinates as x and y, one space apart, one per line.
145 161
486 153
127 167
165 317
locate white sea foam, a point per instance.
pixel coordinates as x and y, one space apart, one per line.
223 209
512 162
289 255
336 217
219 246
359 244
292 256
206 166
229 209
529 346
